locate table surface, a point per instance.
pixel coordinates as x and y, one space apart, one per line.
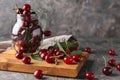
95 62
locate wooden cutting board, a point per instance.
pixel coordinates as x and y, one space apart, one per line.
10 63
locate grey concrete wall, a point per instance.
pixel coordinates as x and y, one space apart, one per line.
88 18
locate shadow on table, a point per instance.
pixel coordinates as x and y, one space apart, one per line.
87 67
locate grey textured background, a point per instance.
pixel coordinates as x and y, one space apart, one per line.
87 18
91 21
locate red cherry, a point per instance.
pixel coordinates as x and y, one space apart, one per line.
76 57
26 60
55 50
111 52
27 7
68 59
19 55
38 74
26 13
118 66
28 19
107 70
24 24
42 55
47 33
60 53
49 59
111 62
88 49
89 75
68 50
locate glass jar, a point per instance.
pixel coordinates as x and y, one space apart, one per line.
27 35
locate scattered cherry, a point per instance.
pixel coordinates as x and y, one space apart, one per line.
19 55
76 57
111 62
68 59
89 75
27 7
49 58
118 66
47 33
111 52
87 49
38 74
107 70
26 60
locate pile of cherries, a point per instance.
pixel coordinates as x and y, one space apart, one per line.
51 55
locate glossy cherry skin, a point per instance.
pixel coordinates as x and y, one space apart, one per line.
111 62
89 75
111 52
55 50
49 58
47 33
118 66
42 55
87 49
27 7
19 55
26 60
60 53
76 57
68 59
38 74
107 70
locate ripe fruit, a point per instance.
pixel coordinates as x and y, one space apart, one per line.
55 50
27 7
107 70
19 55
26 60
38 74
118 66
68 50
87 49
49 58
47 33
76 57
42 55
111 62
68 59
111 52
60 53
89 75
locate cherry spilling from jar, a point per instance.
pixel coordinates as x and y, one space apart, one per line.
26 33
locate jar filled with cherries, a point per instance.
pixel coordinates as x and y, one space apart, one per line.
27 33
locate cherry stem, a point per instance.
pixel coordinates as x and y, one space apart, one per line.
56 56
104 60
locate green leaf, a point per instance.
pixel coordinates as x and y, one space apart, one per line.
76 52
65 44
60 47
36 57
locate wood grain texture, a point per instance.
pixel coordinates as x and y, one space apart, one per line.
9 62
